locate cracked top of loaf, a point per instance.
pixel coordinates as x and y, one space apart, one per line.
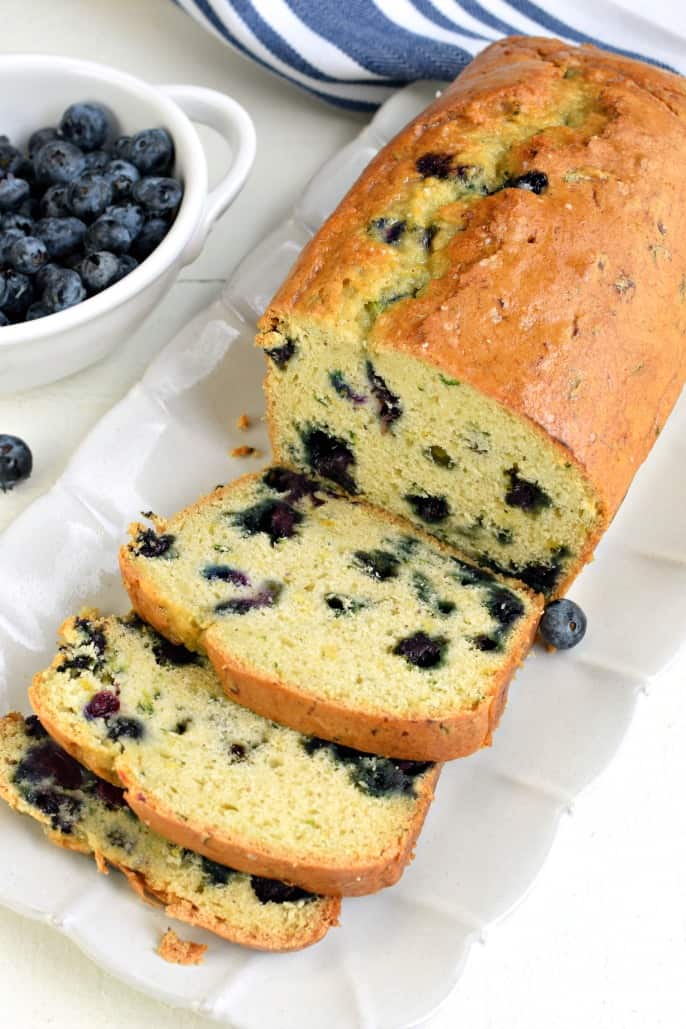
525 234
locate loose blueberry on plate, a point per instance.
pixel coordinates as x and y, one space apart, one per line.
563 624
16 461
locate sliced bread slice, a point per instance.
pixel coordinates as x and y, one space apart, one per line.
219 779
80 812
333 617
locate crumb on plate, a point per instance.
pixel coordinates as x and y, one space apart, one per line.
243 422
180 952
245 451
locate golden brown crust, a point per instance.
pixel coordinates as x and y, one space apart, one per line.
175 907
347 881
590 348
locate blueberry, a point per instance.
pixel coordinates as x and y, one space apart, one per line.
344 390
149 238
422 650
294 484
330 456
12 161
149 544
88 196
12 192
17 220
122 727
172 654
121 175
61 236
55 201
266 596
224 573
37 310
34 728
45 275
121 148
388 230
99 270
62 808
40 137
539 576
218 875
486 643
504 606
64 290
47 762
426 236
8 238
271 891
130 215
433 165
152 151
534 181
111 796
28 254
77 663
342 605
281 355
58 161
390 408
563 624
102 705
92 634
4 320
275 518
379 564
108 234
96 161
85 125
528 496
159 195
16 461
431 509
126 265
18 295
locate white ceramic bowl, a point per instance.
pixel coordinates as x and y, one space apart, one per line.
34 91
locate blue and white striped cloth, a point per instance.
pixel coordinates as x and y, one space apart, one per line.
354 53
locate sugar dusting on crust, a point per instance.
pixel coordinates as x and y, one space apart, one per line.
180 952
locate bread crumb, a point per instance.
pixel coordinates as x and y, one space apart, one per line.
243 422
245 451
180 952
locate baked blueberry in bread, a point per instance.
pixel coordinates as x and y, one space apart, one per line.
81 812
209 775
486 337
333 617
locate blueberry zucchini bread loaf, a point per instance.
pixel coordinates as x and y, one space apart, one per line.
333 617
209 775
487 335
81 812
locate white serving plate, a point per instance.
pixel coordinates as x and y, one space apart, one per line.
399 953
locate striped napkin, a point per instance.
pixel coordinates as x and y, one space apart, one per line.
355 53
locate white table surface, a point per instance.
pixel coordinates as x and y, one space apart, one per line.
601 939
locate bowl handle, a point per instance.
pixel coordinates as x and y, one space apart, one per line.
231 121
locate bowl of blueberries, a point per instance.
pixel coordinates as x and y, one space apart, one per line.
104 197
